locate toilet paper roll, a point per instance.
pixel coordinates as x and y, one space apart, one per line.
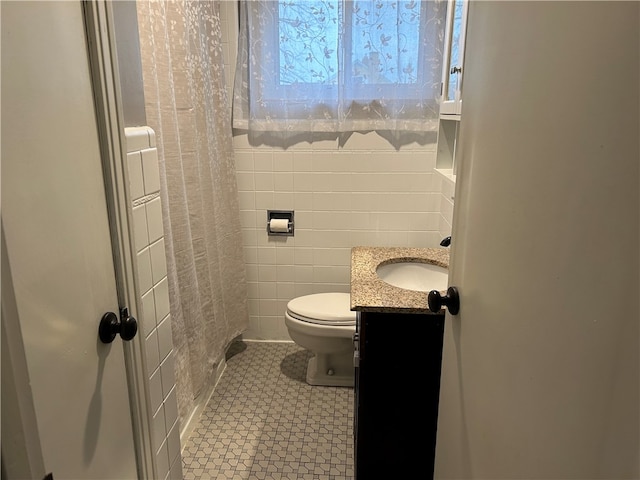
279 225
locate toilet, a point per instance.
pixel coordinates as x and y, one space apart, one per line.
324 324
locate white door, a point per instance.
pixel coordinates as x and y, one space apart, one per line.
58 243
540 369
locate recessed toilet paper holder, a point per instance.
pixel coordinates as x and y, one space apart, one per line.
277 227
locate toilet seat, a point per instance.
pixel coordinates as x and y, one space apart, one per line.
323 309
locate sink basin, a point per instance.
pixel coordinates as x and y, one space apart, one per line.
422 277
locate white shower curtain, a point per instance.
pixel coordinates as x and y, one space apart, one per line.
186 105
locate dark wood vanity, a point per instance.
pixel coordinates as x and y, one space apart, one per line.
399 357
396 394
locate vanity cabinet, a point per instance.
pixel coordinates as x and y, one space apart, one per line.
399 358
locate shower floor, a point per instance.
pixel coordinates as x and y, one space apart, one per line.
265 422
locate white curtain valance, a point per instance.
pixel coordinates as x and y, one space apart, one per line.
338 66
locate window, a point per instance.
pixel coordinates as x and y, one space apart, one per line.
335 65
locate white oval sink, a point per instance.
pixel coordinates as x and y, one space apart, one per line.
422 277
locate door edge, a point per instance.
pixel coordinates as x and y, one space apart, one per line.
100 31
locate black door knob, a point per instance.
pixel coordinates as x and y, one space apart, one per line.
451 300
111 325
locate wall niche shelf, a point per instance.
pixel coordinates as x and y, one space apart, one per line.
446 150
447 174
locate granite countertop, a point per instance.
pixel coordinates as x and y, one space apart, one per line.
370 294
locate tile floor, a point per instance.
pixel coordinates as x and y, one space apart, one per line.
265 422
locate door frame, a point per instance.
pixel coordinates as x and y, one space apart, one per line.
101 55
100 34
103 64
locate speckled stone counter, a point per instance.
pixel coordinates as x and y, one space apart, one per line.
370 294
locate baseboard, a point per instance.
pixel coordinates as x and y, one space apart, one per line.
200 403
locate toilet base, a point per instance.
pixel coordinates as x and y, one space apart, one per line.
331 370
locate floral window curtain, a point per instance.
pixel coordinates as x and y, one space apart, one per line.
339 66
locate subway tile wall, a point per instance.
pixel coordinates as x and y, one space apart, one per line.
365 193
447 192
362 193
154 319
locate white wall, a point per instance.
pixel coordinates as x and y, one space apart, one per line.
125 25
362 193
447 200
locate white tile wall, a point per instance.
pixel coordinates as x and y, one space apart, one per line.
342 197
155 319
362 193
447 192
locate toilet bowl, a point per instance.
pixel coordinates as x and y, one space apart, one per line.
324 324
